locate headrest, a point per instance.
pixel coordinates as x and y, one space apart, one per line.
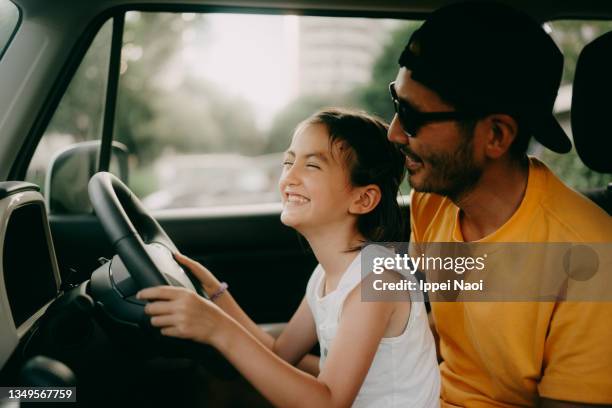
591 112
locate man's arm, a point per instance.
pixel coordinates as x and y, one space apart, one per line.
577 356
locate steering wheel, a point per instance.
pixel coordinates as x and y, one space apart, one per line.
144 258
141 243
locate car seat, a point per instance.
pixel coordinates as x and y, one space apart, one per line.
591 113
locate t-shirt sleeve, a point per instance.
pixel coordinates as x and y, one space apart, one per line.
578 354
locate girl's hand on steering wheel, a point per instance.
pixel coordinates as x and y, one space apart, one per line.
181 313
209 282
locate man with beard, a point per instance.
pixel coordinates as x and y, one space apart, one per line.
476 81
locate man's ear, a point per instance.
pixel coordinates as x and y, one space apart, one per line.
501 130
365 199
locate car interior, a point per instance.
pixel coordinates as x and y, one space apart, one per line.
68 313
589 107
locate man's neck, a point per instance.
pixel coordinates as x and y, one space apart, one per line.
495 198
330 245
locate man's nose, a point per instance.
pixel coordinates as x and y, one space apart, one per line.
395 133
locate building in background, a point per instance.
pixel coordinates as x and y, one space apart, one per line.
335 55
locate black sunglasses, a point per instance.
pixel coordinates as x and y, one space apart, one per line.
412 120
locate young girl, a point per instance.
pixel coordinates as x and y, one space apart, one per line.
339 185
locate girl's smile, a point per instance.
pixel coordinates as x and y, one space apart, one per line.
294 199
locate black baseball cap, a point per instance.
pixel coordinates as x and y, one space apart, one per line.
488 57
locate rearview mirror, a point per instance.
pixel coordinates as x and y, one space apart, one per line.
70 171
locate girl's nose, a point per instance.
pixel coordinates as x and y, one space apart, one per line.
290 176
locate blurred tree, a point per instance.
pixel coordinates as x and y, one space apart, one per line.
571 37
197 117
150 41
162 105
374 96
570 169
283 124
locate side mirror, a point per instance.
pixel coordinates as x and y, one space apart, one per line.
70 170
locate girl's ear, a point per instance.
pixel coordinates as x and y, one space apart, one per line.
366 198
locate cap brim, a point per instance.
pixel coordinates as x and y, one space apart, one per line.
551 135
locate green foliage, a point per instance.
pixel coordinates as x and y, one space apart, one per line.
279 136
569 168
189 115
374 96
571 37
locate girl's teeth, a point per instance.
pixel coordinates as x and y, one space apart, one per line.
296 199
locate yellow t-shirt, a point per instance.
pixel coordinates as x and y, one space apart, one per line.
505 354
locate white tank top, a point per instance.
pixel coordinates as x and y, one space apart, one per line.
404 372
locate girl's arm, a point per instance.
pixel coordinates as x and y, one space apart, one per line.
225 301
181 313
296 340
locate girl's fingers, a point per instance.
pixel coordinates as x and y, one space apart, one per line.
185 260
170 331
158 292
159 308
195 267
163 321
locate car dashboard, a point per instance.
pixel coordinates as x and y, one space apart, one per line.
29 274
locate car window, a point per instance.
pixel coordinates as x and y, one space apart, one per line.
571 36
78 117
207 102
9 18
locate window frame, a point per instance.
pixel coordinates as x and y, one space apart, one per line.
60 85
15 29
